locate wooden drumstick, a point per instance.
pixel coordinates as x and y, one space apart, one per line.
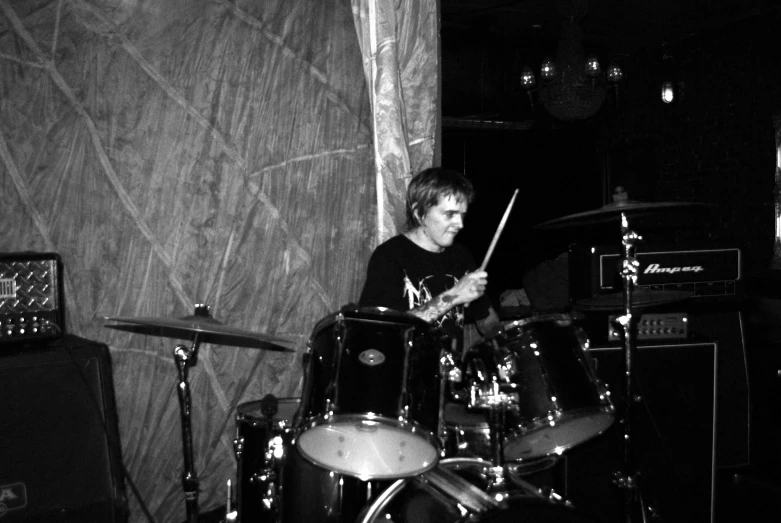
498 231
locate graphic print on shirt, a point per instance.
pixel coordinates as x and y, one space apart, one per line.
420 295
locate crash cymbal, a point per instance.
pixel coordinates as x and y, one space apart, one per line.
208 329
612 211
640 298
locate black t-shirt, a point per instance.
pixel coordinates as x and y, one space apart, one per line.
404 276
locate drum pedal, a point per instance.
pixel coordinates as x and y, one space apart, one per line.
653 326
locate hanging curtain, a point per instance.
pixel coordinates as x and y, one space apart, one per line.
400 48
177 152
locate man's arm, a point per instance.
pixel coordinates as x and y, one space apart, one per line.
467 290
435 307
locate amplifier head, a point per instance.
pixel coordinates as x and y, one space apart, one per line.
31 298
702 271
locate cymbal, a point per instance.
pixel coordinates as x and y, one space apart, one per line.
208 329
640 298
613 210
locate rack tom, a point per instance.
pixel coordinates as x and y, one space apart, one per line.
539 372
371 395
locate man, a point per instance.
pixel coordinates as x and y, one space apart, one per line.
423 270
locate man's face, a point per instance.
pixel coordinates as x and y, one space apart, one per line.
438 228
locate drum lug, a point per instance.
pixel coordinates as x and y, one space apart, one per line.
582 336
268 478
448 367
238 447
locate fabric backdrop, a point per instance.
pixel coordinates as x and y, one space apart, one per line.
177 152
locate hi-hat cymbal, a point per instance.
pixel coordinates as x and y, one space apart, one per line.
613 211
207 328
640 298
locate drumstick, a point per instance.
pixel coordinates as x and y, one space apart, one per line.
498 231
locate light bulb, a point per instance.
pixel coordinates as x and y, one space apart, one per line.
592 66
527 78
548 69
668 92
614 73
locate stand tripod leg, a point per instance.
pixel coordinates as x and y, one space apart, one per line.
183 356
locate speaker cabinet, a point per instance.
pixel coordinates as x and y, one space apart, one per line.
723 324
59 442
674 434
712 320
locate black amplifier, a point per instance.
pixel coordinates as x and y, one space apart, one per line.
595 270
31 298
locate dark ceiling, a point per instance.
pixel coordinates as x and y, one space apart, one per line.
487 43
624 26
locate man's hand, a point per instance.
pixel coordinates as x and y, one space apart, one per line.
469 288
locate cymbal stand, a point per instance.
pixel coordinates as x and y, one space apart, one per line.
496 420
185 358
628 478
496 473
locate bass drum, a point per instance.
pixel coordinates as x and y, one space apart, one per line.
446 495
317 495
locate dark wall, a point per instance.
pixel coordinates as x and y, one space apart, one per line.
715 144
556 173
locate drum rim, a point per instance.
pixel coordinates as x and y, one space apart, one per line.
555 317
376 314
371 512
241 408
399 423
563 417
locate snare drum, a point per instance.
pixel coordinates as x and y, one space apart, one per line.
371 396
468 435
539 371
260 454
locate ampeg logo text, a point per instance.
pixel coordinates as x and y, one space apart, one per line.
12 497
655 268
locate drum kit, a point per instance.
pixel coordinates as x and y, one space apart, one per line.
393 425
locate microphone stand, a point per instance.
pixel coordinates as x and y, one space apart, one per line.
628 479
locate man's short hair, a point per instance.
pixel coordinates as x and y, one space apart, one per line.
428 186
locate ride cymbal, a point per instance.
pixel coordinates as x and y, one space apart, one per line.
613 211
640 298
208 330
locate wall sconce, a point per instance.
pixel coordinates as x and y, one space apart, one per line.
668 92
672 92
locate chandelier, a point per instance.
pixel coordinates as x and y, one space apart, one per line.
572 87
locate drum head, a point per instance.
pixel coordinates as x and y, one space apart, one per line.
368 449
554 437
252 411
